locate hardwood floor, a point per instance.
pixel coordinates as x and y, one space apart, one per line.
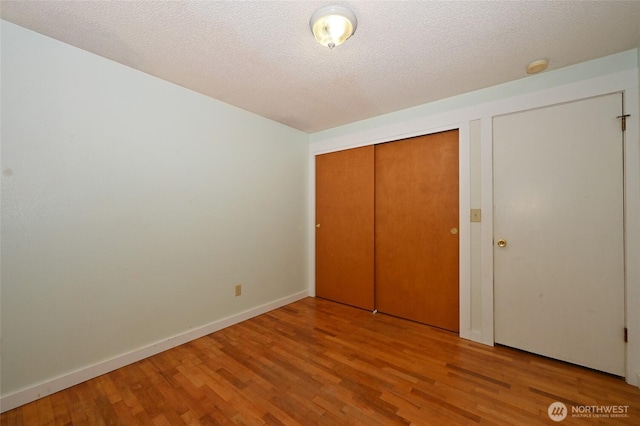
319 362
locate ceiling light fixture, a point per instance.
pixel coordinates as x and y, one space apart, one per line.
333 25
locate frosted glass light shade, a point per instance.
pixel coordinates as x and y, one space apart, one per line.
332 25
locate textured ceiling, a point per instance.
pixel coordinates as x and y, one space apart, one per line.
262 57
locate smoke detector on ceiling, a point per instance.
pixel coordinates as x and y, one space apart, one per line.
537 66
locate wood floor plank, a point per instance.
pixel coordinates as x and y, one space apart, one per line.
316 362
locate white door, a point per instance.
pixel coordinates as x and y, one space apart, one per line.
558 206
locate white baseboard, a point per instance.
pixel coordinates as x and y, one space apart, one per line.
475 336
65 381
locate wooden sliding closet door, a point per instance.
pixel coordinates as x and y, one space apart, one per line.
344 226
416 229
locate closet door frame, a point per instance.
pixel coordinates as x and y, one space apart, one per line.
463 203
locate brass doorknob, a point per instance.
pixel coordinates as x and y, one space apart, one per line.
502 243
318 225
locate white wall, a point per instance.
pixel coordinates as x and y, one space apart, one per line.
472 113
130 209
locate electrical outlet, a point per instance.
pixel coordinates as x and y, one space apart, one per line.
239 290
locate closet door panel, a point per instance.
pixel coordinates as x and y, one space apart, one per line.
416 229
345 226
